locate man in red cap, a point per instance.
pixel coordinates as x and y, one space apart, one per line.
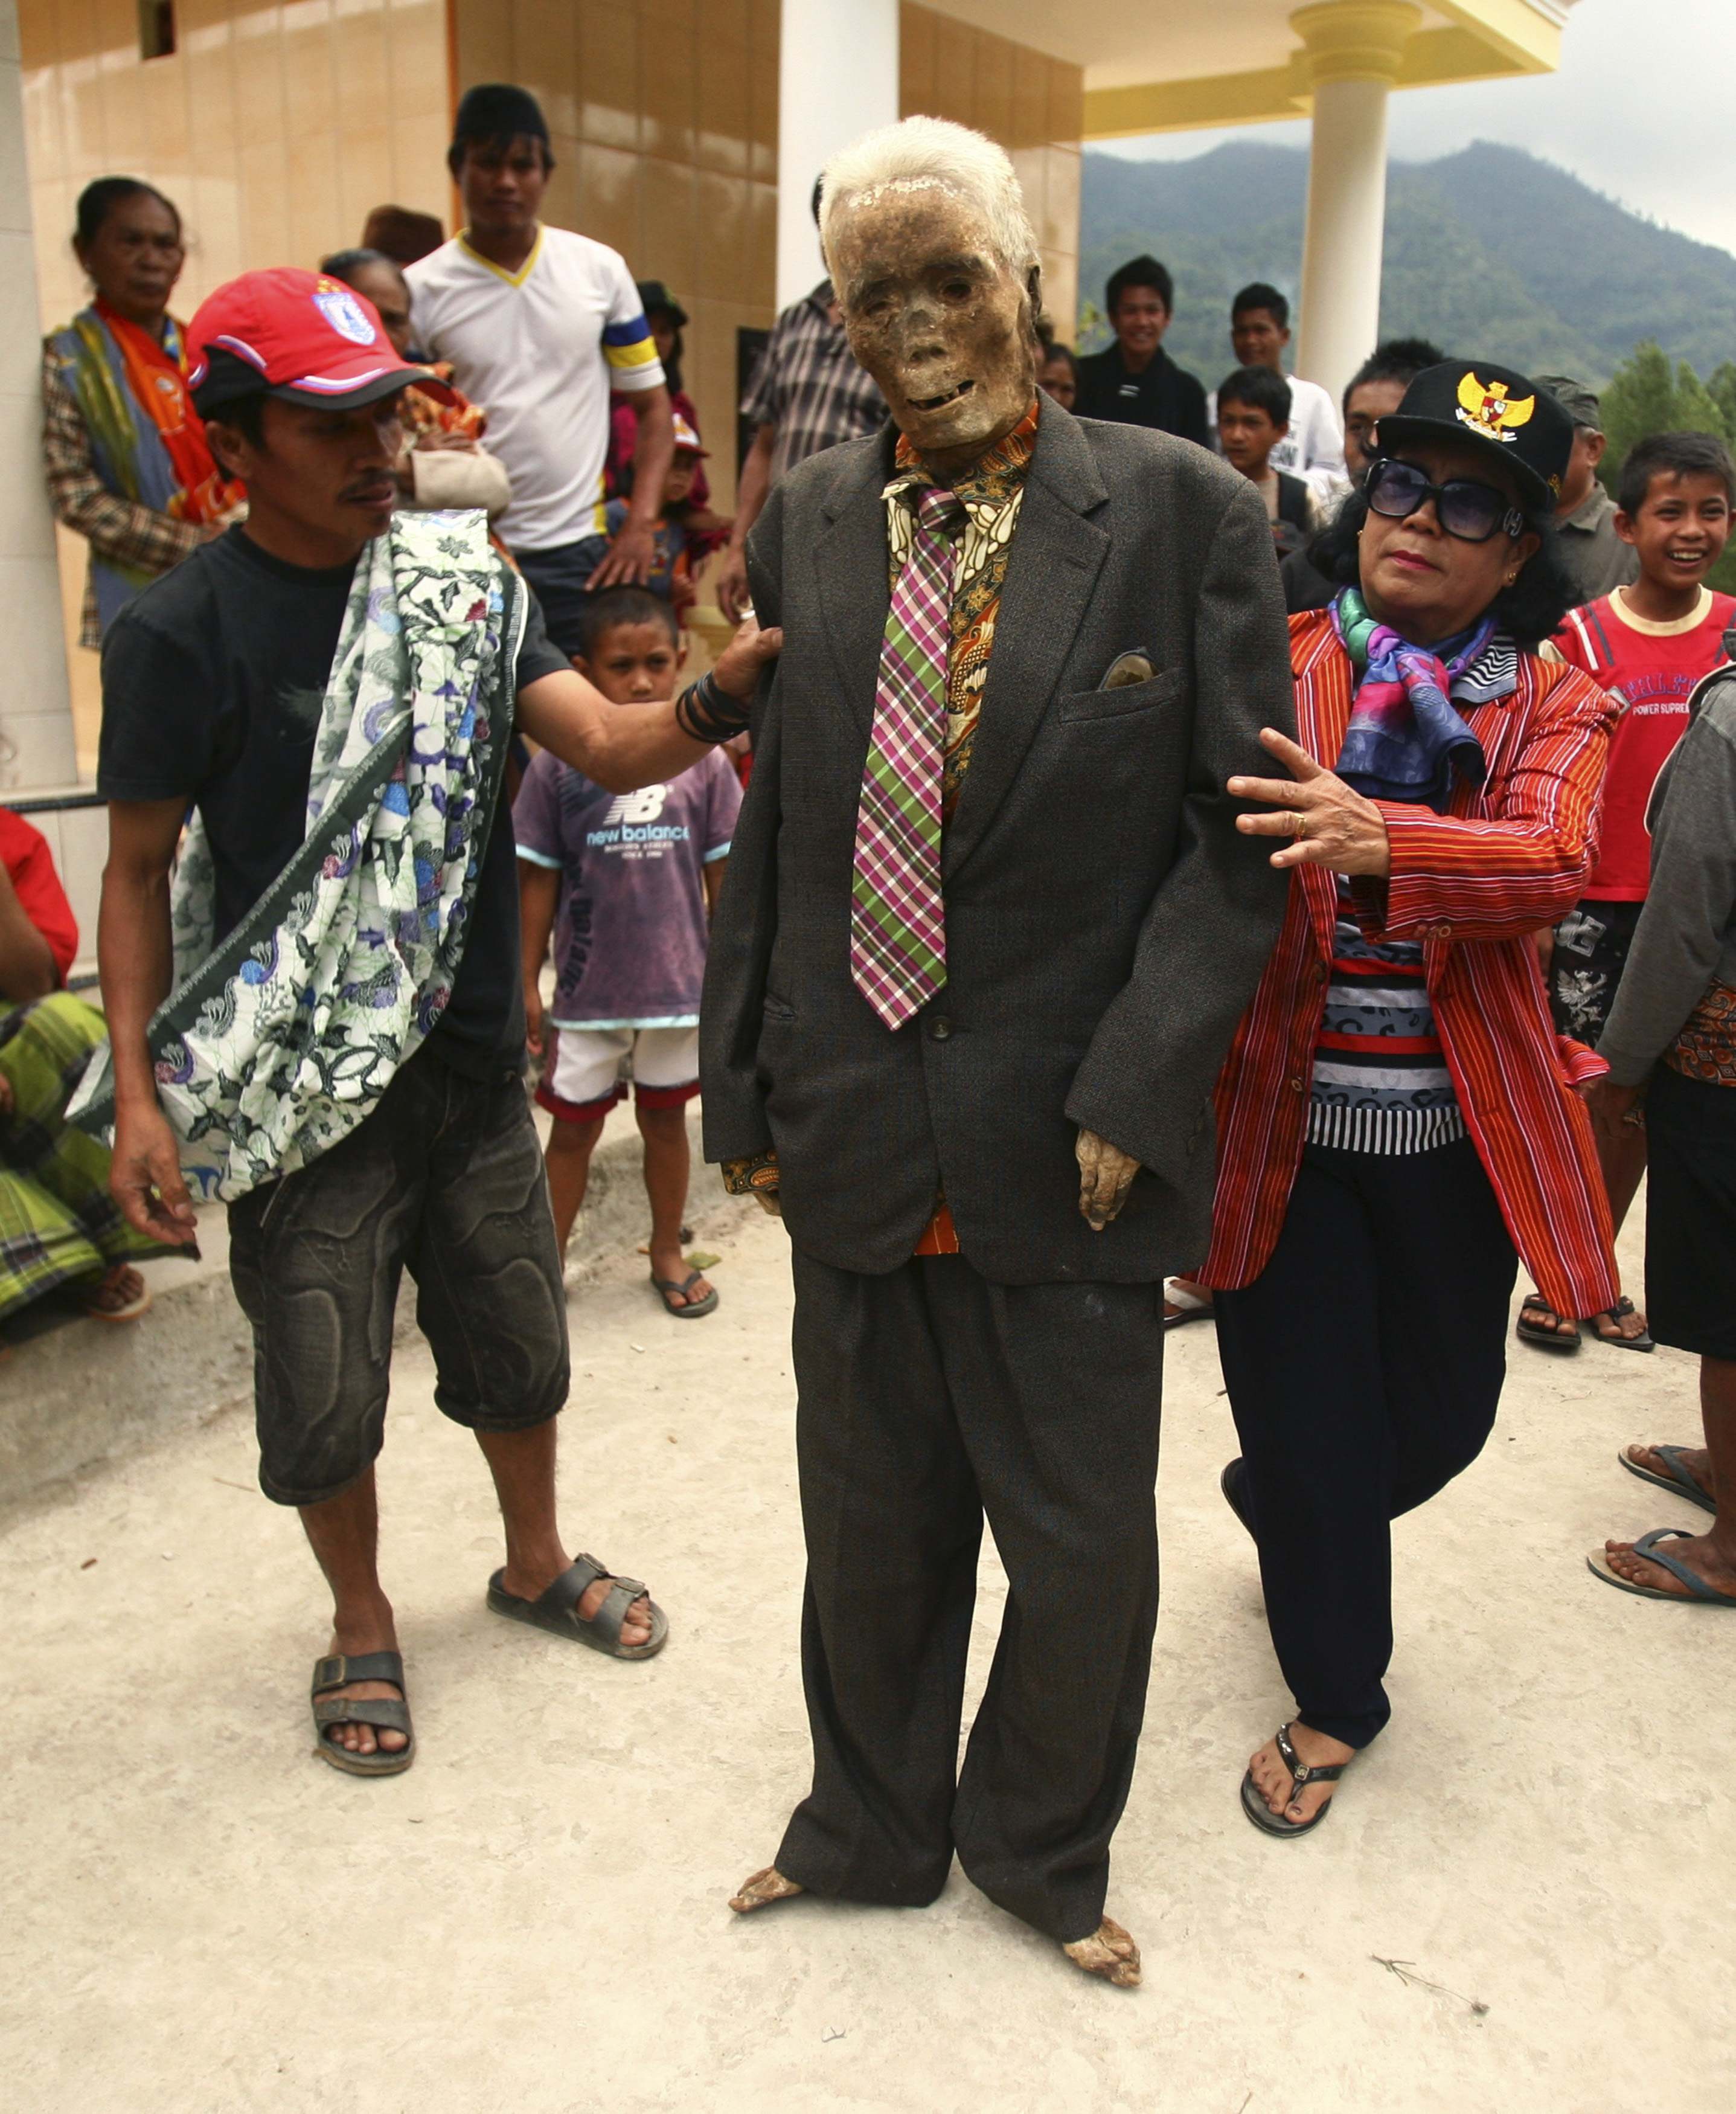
327 1005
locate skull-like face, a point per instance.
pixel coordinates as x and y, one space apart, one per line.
940 322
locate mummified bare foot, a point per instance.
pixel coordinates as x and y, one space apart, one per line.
1109 1951
762 1890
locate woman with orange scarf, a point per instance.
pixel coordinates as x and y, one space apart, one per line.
124 450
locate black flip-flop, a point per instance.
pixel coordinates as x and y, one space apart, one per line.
1618 1314
696 1309
1678 1482
1544 1338
1699 1594
1301 1773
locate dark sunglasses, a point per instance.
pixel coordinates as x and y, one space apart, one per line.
1464 508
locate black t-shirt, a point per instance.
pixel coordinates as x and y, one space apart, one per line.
1162 395
212 679
1305 586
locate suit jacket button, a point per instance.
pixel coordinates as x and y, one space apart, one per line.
939 1027
1443 931
1296 1084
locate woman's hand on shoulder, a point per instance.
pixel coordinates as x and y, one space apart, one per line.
1327 823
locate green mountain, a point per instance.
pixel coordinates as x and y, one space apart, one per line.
1489 250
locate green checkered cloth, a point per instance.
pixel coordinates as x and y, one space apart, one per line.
57 1222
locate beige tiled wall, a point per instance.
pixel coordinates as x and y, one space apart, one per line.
1032 104
664 118
275 128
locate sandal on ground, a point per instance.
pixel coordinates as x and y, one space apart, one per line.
1230 1483
1647 1546
1616 1315
1678 1482
1189 1306
556 1609
1301 1773
127 1310
387 1713
695 1308
1547 1335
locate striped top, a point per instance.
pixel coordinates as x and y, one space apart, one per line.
1381 1083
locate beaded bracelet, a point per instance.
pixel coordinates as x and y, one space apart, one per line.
707 712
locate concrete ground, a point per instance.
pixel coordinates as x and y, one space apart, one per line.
1522 1899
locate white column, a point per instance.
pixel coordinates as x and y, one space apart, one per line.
1353 50
837 77
35 712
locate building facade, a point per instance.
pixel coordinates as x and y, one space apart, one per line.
686 133
275 126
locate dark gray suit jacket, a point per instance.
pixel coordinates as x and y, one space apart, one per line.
1106 925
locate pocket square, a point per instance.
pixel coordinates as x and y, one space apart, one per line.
1126 669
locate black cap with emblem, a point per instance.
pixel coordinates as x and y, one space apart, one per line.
1498 409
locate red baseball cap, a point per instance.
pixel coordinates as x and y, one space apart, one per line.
300 335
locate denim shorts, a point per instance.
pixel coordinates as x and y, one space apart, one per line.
446 1179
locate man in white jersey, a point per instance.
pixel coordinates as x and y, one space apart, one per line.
1314 448
542 326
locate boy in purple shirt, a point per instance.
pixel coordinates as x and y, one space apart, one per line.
626 881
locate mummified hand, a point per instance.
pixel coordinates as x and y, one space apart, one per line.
1105 1175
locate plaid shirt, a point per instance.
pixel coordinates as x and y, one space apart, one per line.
119 528
808 385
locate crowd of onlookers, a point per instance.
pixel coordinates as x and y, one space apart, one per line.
558 406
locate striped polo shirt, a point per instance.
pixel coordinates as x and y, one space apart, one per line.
1380 1080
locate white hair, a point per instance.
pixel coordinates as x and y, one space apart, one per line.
932 153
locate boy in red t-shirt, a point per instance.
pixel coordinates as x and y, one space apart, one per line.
1648 645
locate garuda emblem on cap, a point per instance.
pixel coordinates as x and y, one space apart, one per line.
341 309
1486 409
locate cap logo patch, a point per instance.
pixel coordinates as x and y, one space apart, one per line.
340 309
1486 409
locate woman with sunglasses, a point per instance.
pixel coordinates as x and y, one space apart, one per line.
1396 1116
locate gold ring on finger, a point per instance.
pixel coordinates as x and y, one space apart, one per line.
1298 823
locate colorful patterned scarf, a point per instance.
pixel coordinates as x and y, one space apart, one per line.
275 1044
147 441
1405 740
156 372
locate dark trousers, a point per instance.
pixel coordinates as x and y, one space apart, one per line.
444 1179
560 579
1364 1364
928 1398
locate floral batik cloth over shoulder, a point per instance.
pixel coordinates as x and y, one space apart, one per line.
279 1042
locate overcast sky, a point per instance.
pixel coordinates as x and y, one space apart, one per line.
1643 109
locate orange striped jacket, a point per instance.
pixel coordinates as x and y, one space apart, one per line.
1473 886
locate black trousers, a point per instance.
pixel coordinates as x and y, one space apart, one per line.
928 1398
1364 1365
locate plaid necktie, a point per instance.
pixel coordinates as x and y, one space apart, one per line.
898 930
